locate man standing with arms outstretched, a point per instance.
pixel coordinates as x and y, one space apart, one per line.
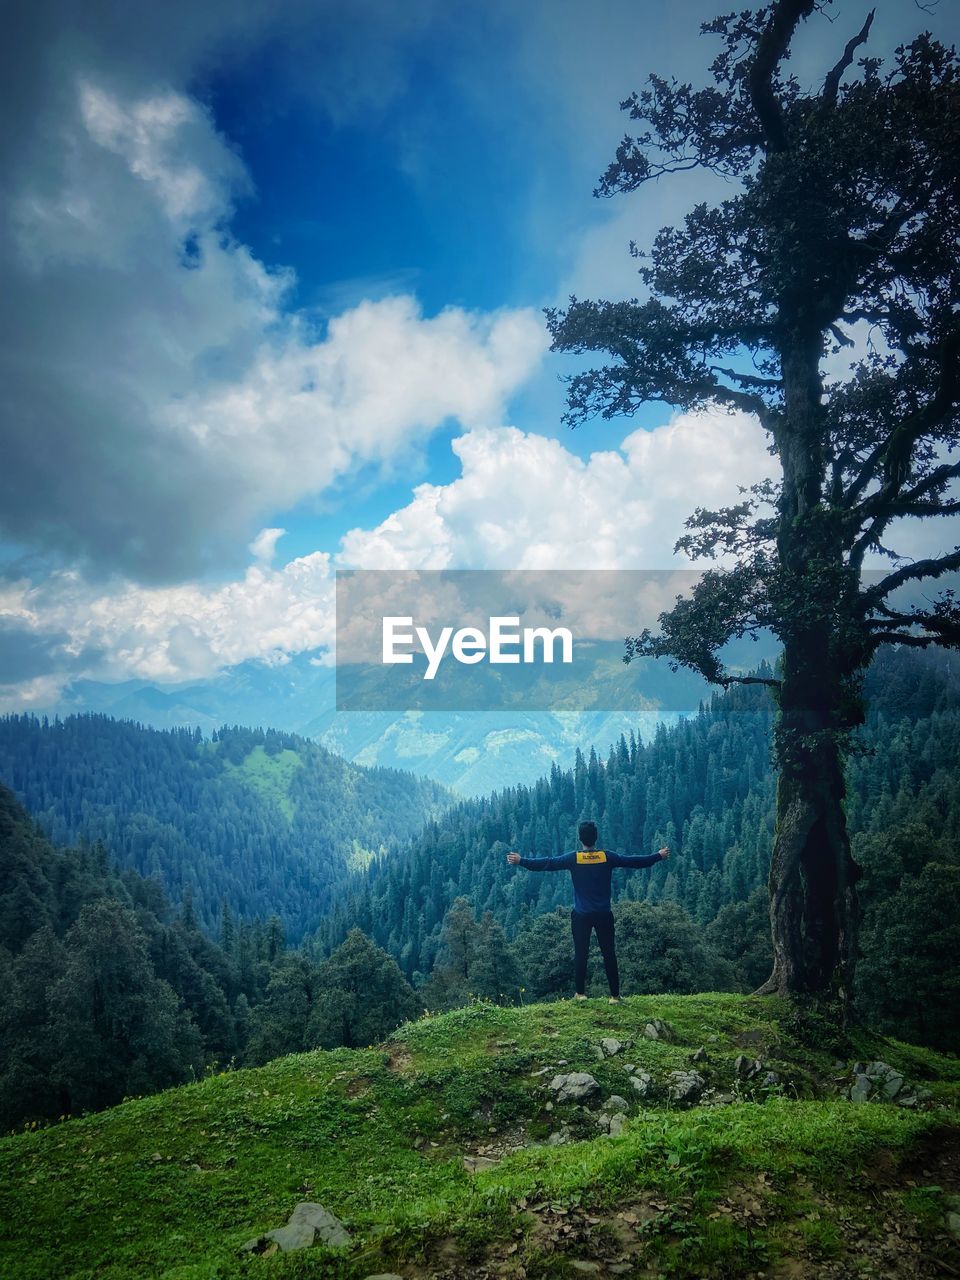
591 870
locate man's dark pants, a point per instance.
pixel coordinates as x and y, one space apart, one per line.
583 924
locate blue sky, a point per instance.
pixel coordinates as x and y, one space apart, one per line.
282 267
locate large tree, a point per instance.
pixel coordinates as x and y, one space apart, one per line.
842 220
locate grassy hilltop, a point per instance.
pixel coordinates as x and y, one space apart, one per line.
434 1151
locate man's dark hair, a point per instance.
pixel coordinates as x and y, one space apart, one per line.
587 831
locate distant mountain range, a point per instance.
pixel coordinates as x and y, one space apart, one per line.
473 752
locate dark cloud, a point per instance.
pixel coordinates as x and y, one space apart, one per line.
26 654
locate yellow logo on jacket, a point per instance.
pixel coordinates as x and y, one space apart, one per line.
591 855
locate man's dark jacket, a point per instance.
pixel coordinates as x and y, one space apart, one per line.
591 871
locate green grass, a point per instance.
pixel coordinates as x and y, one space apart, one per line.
171 1185
269 775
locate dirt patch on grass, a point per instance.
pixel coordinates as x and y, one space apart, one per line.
935 1158
399 1059
868 1229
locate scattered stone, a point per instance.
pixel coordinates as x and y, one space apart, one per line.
296 1235
588 1268
619 1268
877 1081
309 1224
573 1087
629 1066
745 1068
860 1089
892 1085
616 1103
544 1071
477 1164
384 1275
685 1086
699 1056
329 1228
714 1098
770 1078
616 1125
610 1046
559 1138
643 1083
507 1044
953 1222
548 1106
657 1029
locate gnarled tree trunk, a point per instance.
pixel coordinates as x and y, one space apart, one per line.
814 910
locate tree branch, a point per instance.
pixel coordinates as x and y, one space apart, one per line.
771 48
749 379
725 680
910 572
895 449
939 475
917 642
831 85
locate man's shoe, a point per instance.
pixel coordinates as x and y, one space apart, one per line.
615 1000
578 996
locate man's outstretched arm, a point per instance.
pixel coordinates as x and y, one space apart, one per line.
560 863
638 859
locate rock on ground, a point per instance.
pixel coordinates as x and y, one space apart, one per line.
642 1081
685 1086
573 1087
309 1224
878 1082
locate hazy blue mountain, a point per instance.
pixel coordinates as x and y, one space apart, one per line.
471 751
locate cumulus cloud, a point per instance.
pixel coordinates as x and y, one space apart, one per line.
176 632
521 502
526 502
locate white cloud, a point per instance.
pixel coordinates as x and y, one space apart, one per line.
522 501
264 546
154 358
181 632
525 502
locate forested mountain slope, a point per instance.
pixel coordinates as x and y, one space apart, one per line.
266 822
